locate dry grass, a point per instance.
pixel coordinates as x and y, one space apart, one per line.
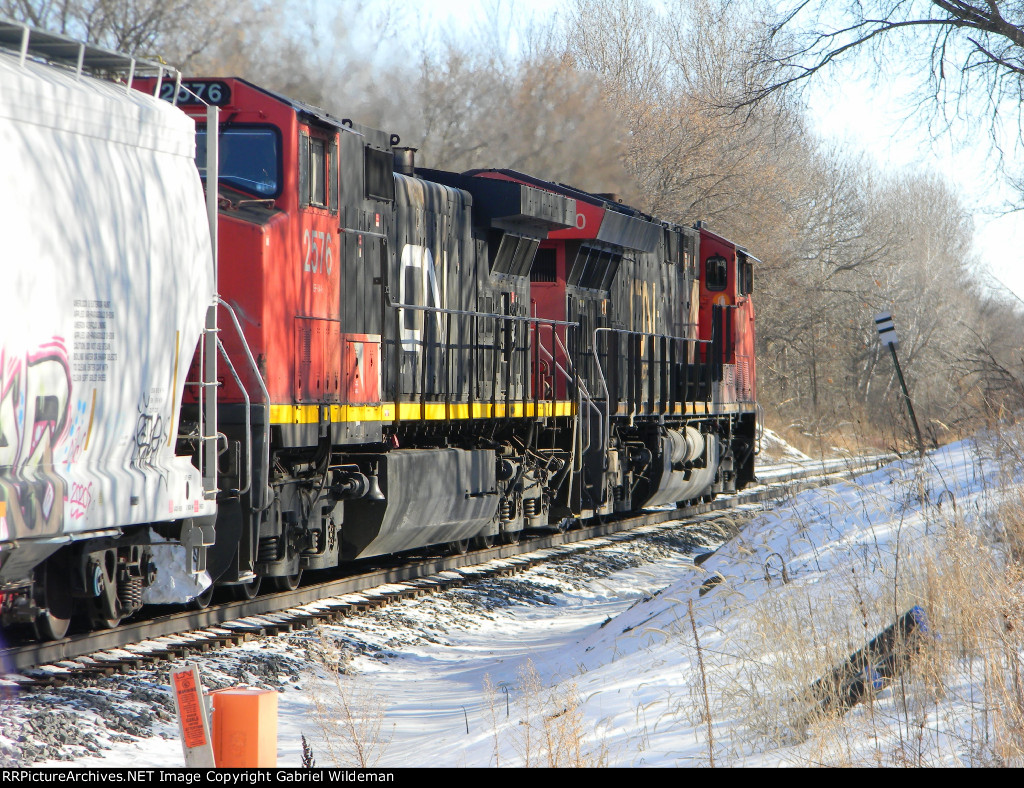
961 698
351 716
851 433
549 730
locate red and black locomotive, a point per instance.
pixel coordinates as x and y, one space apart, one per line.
452 358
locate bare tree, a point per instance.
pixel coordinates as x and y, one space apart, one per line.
178 31
540 116
969 54
641 98
666 72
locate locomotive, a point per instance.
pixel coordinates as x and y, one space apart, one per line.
409 358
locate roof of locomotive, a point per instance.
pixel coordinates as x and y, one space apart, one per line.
299 106
570 191
703 228
375 136
507 204
627 227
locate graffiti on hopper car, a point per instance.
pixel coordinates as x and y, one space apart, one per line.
150 434
35 397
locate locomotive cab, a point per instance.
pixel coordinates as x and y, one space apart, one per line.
726 317
304 200
726 323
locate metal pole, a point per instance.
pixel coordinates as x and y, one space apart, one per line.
906 396
210 338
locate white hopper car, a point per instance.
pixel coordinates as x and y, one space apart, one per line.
107 278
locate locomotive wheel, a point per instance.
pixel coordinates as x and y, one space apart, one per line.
202 601
460 547
243 592
482 542
288 582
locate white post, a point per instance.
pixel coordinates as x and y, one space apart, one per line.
193 717
210 341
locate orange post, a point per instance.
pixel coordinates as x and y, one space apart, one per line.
244 728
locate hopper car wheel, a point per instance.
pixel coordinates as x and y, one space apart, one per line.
51 627
98 616
482 542
202 601
288 582
53 622
460 547
511 537
243 592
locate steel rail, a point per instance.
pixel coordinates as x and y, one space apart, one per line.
777 483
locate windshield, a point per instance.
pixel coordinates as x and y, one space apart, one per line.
248 159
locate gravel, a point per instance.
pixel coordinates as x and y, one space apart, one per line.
87 714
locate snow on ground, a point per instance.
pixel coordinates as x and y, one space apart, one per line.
775 449
592 659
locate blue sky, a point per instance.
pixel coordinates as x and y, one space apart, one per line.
873 119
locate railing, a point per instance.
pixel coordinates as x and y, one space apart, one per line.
63 50
669 365
512 355
264 496
571 376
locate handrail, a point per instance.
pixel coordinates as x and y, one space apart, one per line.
537 321
567 373
600 370
468 313
580 385
266 397
554 362
53 48
248 419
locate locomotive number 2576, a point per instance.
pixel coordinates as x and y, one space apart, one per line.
215 93
317 252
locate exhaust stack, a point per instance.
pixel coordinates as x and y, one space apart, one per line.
405 161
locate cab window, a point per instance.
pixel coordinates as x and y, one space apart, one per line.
716 272
317 175
746 278
318 168
249 159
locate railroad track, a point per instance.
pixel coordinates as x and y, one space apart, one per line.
177 634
